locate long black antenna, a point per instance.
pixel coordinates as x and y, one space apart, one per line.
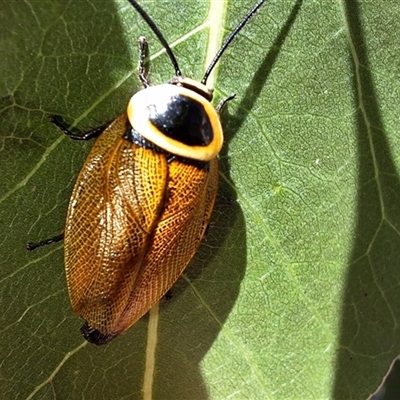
159 35
229 39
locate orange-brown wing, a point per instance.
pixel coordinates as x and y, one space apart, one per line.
115 206
191 198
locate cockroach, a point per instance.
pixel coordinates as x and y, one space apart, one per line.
144 196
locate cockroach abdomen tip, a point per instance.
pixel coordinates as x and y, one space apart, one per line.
94 336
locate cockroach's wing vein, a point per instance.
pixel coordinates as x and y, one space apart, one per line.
191 198
114 208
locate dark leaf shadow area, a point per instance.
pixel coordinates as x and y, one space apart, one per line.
369 329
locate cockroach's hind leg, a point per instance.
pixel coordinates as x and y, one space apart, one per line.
168 296
222 103
63 127
54 239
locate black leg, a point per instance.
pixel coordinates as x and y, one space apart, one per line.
60 124
224 101
45 242
144 61
168 296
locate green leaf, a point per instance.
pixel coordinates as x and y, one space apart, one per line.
294 292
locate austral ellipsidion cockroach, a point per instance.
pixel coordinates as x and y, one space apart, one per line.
143 198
